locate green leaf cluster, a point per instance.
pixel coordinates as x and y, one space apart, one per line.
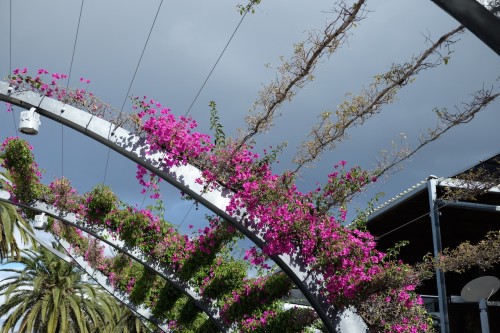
216 126
100 201
259 298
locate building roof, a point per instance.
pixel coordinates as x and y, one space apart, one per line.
490 165
407 217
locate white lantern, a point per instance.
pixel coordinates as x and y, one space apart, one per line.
29 122
40 222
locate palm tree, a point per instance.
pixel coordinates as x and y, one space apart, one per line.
120 318
10 220
129 322
48 295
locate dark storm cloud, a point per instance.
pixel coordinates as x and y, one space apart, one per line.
188 38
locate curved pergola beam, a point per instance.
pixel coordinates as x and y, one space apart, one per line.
49 248
182 177
98 277
103 281
133 253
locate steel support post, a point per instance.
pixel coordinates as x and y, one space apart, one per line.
483 307
436 240
469 205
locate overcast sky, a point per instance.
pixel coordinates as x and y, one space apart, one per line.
187 40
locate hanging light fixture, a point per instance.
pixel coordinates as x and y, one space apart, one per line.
40 221
29 122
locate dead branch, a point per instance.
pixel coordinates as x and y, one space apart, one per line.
446 121
297 72
358 109
485 254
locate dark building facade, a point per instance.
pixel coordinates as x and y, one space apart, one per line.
431 219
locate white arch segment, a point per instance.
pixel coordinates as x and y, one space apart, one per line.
49 248
103 281
135 254
98 277
183 178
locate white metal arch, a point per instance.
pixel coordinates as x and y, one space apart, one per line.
183 177
135 254
102 280
99 278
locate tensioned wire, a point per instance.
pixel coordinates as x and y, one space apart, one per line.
132 82
140 59
197 94
414 220
74 45
10 60
203 86
67 84
185 216
216 63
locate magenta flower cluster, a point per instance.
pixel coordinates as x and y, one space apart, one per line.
53 89
23 169
291 222
252 323
165 133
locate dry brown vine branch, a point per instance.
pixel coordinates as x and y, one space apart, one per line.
358 109
471 184
484 255
446 121
297 72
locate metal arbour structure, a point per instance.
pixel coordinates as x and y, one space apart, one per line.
184 178
103 236
102 280
97 276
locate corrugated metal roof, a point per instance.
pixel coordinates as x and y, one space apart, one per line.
491 165
398 199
